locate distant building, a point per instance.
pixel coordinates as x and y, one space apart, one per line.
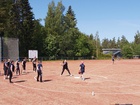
114 51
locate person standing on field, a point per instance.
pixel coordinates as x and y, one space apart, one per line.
24 65
10 71
34 64
17 67
82 70
65 66
39 71
113 59
5 68
7 65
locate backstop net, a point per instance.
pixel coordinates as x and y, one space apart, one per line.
9 48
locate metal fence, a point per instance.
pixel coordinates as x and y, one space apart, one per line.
63 58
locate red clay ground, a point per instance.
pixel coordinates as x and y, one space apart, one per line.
112 84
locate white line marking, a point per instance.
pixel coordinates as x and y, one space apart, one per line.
52 90
100 76
77 77
119 93
93 93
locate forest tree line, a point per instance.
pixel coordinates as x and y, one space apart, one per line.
60 36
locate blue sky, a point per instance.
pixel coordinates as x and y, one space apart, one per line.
111 18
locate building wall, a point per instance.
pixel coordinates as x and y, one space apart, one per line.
116 52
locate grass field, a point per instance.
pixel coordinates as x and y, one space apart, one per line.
111 84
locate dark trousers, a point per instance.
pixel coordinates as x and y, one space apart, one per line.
5 71
64 70
18 71
39 74
24 67
34 67
10 76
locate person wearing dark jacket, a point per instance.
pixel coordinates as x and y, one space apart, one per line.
39 71
65 66
82 70
11 69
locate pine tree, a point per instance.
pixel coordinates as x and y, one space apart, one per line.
54 27
4 10
13 25
21 25
70 35
137 38
97 44
49 20
105 43
38 37
70 18
27 26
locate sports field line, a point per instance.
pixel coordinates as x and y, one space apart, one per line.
52 90
99 76
92 85
92 93
117 93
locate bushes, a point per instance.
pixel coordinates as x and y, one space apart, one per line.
105 56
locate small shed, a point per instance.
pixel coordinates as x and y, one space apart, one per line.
114 51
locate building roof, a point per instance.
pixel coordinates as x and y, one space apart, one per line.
111 49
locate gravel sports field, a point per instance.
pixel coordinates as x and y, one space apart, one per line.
105 84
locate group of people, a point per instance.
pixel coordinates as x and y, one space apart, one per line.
81 69
11 67
39 68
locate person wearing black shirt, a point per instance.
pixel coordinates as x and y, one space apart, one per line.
5 68
82 70
17 67
34 64
24 65
7 65
39 71
12 68
65 66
